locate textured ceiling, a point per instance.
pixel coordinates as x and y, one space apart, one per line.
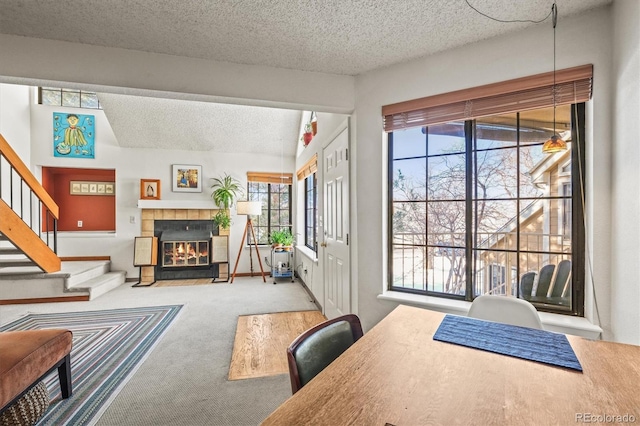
331 36
144 122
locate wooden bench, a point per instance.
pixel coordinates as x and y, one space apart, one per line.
26 357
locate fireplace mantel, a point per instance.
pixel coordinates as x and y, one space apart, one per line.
176 204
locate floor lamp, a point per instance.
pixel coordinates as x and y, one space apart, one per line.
249 208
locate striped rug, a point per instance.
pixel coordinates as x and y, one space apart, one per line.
108 347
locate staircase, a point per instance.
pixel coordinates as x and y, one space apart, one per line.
30 269
76 281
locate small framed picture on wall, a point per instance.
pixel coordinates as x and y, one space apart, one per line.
77 187
149 189
186 178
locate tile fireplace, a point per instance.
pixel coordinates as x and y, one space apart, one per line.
158 218
184 247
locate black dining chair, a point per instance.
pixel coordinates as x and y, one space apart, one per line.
316 348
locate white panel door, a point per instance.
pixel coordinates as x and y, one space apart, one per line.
337 291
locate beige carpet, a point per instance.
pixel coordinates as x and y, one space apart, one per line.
185 379
260 346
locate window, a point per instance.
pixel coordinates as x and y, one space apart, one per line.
274 193
308 173
310 212
68 98
470 200
469 190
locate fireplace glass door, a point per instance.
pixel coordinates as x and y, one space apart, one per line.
185 253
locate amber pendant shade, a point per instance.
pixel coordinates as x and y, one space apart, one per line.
555 144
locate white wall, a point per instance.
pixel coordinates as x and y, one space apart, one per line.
14 127
131 165
15 119
580 40
329 126
625 174
48 62
34 61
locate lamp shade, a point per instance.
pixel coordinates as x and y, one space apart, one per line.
555 144
253 208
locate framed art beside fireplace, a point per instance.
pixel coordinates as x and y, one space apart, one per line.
149 189
186 178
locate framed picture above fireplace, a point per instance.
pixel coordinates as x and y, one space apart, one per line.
149 189
186 178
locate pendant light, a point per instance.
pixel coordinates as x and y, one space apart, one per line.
555 143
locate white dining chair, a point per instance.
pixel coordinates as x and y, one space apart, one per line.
505 309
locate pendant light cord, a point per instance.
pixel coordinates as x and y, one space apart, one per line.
511 20
554 21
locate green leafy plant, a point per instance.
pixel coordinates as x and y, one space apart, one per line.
282 236
225 190
222 219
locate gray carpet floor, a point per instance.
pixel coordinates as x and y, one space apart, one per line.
183 381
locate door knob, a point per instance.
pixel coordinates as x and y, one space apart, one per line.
323 244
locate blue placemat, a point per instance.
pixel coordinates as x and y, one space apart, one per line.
521 342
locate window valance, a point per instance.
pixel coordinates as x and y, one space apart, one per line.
572 85
270 177
308 168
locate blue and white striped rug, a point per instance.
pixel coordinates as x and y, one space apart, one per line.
108 347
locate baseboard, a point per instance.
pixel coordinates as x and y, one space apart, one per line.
83 258
309 293
45 300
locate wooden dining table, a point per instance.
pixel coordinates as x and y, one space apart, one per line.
398 375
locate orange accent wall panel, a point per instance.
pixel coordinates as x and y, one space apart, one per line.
97 212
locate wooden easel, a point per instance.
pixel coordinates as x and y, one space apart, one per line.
249 225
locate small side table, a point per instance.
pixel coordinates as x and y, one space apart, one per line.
282 263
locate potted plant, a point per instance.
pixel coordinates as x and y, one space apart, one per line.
287 242
225 190
222 219
276 239
281 239
314 123
307 135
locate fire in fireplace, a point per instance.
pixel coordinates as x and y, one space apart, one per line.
185 253
185 248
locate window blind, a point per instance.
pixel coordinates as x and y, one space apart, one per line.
572 85
309 168
270 177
